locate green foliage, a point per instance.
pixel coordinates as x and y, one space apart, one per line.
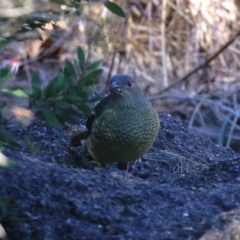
9 211
15 91
5 135
114 8
81 58
4 206
8 164
5 74
29 145
62 99
68 93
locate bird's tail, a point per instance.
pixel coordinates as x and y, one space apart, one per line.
79 139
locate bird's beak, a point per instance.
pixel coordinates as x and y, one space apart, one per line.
114 87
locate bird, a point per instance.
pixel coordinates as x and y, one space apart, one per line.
123 127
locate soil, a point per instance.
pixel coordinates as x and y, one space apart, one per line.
185 187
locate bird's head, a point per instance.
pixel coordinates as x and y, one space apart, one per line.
125 87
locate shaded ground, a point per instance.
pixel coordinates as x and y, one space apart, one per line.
62 195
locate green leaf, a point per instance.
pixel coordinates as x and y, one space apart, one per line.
11 163
76 65
91 83
81 57
6 136
1 147
15 91
88 91
6 74
69 115
73 98
69 69
18 220
29 145
61 103
4 205
4 90
114 8
51 118
91 76
55 86
68 85
88 83
36 89
19 93
94 65
36 82
85 108
60 82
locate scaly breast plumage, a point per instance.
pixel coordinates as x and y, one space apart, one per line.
122 128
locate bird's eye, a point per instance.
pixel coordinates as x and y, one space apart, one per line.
129 84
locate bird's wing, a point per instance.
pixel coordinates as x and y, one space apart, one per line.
76 140
102 106
99 109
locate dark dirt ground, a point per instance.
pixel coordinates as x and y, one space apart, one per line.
186 187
